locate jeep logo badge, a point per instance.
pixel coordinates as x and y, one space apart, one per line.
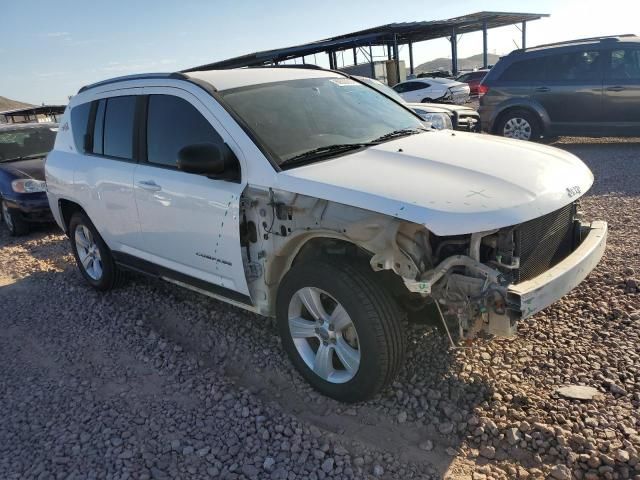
573 191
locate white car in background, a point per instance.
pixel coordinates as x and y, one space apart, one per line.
428 89
440 116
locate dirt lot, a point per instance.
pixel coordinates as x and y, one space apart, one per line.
152 381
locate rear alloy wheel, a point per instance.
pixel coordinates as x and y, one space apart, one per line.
88 252
92 255
14 222
342 330
519 124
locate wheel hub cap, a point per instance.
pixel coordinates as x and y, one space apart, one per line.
324 335
517 128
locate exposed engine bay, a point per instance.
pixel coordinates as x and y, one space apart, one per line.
467 276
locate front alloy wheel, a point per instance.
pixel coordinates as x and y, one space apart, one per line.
324 335
341 328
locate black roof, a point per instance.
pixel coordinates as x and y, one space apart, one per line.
383 35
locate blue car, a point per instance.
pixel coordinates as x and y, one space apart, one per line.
23 197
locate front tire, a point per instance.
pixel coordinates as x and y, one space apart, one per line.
93 257
14 222
341 329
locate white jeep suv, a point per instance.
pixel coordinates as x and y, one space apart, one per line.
312 197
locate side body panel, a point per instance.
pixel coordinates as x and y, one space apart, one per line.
621 100
104 188
60 167
188 222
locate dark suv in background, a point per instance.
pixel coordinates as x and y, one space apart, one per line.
588 87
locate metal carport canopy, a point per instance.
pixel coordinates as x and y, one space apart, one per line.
393 33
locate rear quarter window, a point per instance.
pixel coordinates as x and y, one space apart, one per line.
79 122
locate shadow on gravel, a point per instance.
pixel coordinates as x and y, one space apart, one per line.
422 418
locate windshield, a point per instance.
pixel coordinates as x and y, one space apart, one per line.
26 142
294 117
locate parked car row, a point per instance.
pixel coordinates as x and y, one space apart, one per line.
438 115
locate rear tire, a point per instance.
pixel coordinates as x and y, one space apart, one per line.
373 341
13 220
426 100
93 257
519 124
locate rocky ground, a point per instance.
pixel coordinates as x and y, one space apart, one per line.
152 381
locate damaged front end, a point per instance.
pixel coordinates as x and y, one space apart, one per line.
487 281
481 282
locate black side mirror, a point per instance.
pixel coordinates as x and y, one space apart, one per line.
210 159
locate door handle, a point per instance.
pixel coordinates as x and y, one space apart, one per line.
542 89
616 88
149 185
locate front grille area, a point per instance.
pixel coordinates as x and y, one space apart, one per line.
543 242
468 122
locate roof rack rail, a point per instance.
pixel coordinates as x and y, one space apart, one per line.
140 76
579 40
309 66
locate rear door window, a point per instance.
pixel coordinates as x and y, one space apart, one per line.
579 66
119 120
624 65
173 123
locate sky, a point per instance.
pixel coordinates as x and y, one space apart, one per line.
51 49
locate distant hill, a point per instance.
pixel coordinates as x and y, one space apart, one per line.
469 63
8 104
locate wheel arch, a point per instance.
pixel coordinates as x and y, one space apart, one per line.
329 245
67 208
310 245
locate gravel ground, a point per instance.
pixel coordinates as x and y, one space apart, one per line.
152 381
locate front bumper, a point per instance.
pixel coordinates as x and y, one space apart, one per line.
34 207
531 296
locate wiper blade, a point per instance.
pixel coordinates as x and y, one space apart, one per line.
24 157
399 133
323 151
